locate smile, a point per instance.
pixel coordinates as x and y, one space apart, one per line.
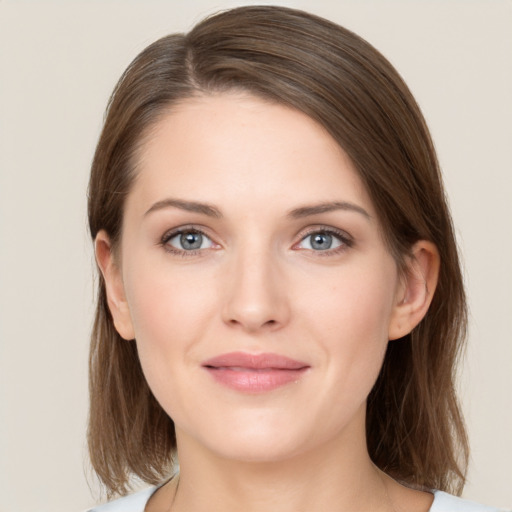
254 373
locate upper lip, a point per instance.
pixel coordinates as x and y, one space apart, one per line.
254 361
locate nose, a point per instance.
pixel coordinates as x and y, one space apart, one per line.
256 293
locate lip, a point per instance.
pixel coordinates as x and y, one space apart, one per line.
254 373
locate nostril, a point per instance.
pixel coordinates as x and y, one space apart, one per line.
253 325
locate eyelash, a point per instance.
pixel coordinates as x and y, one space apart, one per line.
346 240
343 237
169 235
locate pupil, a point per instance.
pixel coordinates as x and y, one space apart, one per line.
321 241
191 241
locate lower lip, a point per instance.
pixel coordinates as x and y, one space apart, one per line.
255 381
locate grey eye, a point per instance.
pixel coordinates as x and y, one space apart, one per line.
320 241
190 241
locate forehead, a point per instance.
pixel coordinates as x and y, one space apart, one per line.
226 147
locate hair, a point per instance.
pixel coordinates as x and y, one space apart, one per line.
415 430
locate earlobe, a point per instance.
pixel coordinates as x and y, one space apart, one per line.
417 289
114 286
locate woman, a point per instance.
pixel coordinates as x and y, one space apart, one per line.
281 306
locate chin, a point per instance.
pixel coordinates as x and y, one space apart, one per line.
263 441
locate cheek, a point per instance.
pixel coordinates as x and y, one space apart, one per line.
168 316
169 311
353 318
166 302
358 302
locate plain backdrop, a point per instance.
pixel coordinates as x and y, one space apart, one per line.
58 64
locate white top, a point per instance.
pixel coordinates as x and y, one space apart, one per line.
443 502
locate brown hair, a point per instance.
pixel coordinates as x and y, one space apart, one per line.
414 426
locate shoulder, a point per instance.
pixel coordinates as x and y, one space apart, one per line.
132 503
444 502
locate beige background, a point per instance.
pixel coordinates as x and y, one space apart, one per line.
58 64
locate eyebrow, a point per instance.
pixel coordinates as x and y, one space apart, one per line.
296 213
189 206
306 211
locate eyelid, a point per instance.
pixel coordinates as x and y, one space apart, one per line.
187 228
345 238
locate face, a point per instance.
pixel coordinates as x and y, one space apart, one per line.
255 279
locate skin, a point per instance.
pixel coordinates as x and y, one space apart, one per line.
258 285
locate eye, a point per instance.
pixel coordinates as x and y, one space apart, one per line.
324 240
187 241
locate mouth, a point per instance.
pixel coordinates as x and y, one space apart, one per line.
254 373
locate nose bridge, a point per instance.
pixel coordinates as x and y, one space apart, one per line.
256 295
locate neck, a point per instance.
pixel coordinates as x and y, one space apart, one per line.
335 476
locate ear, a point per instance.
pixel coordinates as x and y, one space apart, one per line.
416 290
114 286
